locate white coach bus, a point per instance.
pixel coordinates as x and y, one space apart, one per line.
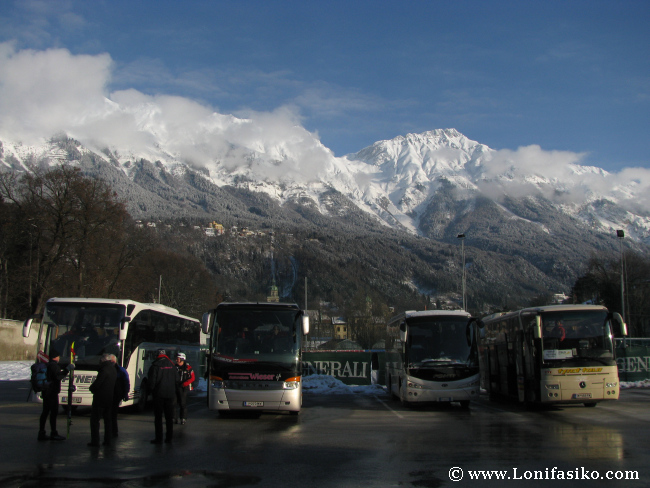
432 356
130 330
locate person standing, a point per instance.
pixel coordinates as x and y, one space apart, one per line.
162 379
50 397
122 389
102 389
185 380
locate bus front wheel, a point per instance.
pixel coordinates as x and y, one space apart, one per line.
142 400
390 388
402 394
590 404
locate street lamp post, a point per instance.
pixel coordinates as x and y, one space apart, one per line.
31 247
462 252
621 234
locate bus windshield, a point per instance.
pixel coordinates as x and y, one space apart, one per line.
94 329
262 336
577 334
439 341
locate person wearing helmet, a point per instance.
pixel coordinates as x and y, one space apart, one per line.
162 383
185 380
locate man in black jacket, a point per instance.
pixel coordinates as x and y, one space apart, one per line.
102 389
162 379
51 397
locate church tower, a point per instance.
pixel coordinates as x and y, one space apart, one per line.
274 296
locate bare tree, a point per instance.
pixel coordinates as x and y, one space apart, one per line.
75 226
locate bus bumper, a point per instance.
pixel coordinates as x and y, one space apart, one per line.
247 400
579 388
421 395
580 395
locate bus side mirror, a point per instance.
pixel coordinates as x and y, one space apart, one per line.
537 328
468 330
206 319
124 328
305 324
28 324
622 326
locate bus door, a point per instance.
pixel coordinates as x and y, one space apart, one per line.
532 357
519 352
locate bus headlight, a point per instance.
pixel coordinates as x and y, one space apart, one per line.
291 383
217 382
410 384
610 385
552 387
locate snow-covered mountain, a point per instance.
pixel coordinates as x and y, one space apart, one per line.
394 181
410 171
393 210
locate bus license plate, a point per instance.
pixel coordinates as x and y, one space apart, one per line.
253 404
444 399
74 399
581 395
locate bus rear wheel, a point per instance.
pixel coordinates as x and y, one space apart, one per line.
590 404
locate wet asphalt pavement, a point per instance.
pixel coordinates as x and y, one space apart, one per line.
339 441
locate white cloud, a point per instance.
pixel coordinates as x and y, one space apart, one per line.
560 177
533 159
42 92
46 92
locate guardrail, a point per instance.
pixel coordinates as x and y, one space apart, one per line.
351 367
633 359
368 367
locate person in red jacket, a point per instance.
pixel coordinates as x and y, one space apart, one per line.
185 380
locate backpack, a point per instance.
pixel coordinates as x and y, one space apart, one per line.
122 383
39 377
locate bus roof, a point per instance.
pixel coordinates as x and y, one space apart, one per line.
121 301
430 313
544 309
258 305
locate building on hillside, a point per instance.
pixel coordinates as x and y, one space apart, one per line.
214 229
559 298
340 328
274 296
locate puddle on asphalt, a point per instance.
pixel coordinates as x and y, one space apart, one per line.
177 479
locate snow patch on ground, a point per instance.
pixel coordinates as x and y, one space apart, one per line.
318 384
324 384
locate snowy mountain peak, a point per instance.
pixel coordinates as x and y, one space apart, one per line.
393 180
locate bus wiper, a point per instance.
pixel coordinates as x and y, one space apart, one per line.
276 364
603 361
439 360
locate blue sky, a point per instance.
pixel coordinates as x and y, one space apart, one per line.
565 75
